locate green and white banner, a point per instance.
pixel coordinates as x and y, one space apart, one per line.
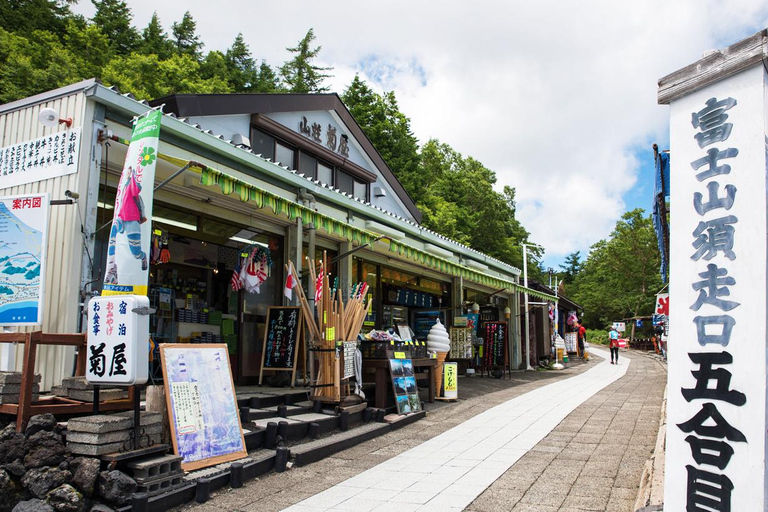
127 268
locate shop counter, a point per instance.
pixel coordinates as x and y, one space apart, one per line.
422 367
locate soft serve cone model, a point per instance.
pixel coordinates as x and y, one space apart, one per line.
438 341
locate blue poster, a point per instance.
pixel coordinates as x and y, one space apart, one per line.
23 237
205 419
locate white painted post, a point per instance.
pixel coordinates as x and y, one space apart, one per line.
527 322
716 430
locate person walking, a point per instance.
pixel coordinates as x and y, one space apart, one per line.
582 337
614 345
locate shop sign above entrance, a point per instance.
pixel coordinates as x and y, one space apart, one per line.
41 159
118 340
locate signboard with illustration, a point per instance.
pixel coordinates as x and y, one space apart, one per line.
128 251
23 240
118 340
404 386
202 406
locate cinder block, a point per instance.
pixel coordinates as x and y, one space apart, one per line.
150 440
15 377
59 390
15 389
157 467
147 417
104 394
76 383
161 485
99 424
94 449
118 436
14 398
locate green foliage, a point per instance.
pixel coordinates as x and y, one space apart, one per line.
597 336
300 74
620 278
185 38
26 16
154 39
572 267
113 17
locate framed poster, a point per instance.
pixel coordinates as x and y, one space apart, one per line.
202 406
24 236
404 386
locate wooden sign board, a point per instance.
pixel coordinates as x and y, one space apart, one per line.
202 405
282 338
495 343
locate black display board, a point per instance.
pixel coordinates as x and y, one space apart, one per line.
494 344
281 339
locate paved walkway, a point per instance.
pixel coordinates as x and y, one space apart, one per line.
618 421
452 469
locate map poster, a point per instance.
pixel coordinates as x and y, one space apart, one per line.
202 406
23 239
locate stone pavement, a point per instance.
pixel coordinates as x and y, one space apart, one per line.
278 491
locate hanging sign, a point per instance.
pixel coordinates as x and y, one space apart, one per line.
40 159
716 429
200 394
118 337
23 240
620 326
127 269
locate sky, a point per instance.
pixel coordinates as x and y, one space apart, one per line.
558 98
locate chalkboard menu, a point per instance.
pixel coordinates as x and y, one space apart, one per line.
281 338
494 343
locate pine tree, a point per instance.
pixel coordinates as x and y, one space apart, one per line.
299 74
154 39
267 80
25 16
186 40
113 17
241 69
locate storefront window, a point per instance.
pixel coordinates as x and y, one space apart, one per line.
370 271
307 165
345 182
324 174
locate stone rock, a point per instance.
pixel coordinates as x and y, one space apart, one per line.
86 471
116 487
16 468
41 480
33 505
65 498
100 507
10 493
12 445
40 422
45 449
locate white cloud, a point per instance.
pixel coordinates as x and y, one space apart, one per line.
555 97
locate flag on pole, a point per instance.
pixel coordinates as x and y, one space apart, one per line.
319 285
289 284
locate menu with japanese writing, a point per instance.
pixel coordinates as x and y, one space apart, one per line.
48 157
202 405
281 337
494 343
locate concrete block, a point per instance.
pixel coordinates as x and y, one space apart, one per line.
118 436
99 424
14 399
146 417
15 389
15 377
156 467
104 394
161 485
76 383
94 450
150 440
59 390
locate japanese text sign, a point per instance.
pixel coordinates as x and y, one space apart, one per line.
717 371
118 338
40 159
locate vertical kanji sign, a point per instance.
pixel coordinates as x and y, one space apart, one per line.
716 459
118 340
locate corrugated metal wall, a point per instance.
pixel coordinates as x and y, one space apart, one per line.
65 243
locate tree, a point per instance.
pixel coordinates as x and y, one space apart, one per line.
186 40
25 16
154 40
88 45
571 267
300 74
267 80
113 17
620 278
241 69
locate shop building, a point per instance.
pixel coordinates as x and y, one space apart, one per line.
287 175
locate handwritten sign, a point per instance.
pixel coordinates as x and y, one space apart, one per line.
281 339
494 343
118 338
40 159
205 424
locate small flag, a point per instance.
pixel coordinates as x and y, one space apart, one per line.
236 282
289 286
319 285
